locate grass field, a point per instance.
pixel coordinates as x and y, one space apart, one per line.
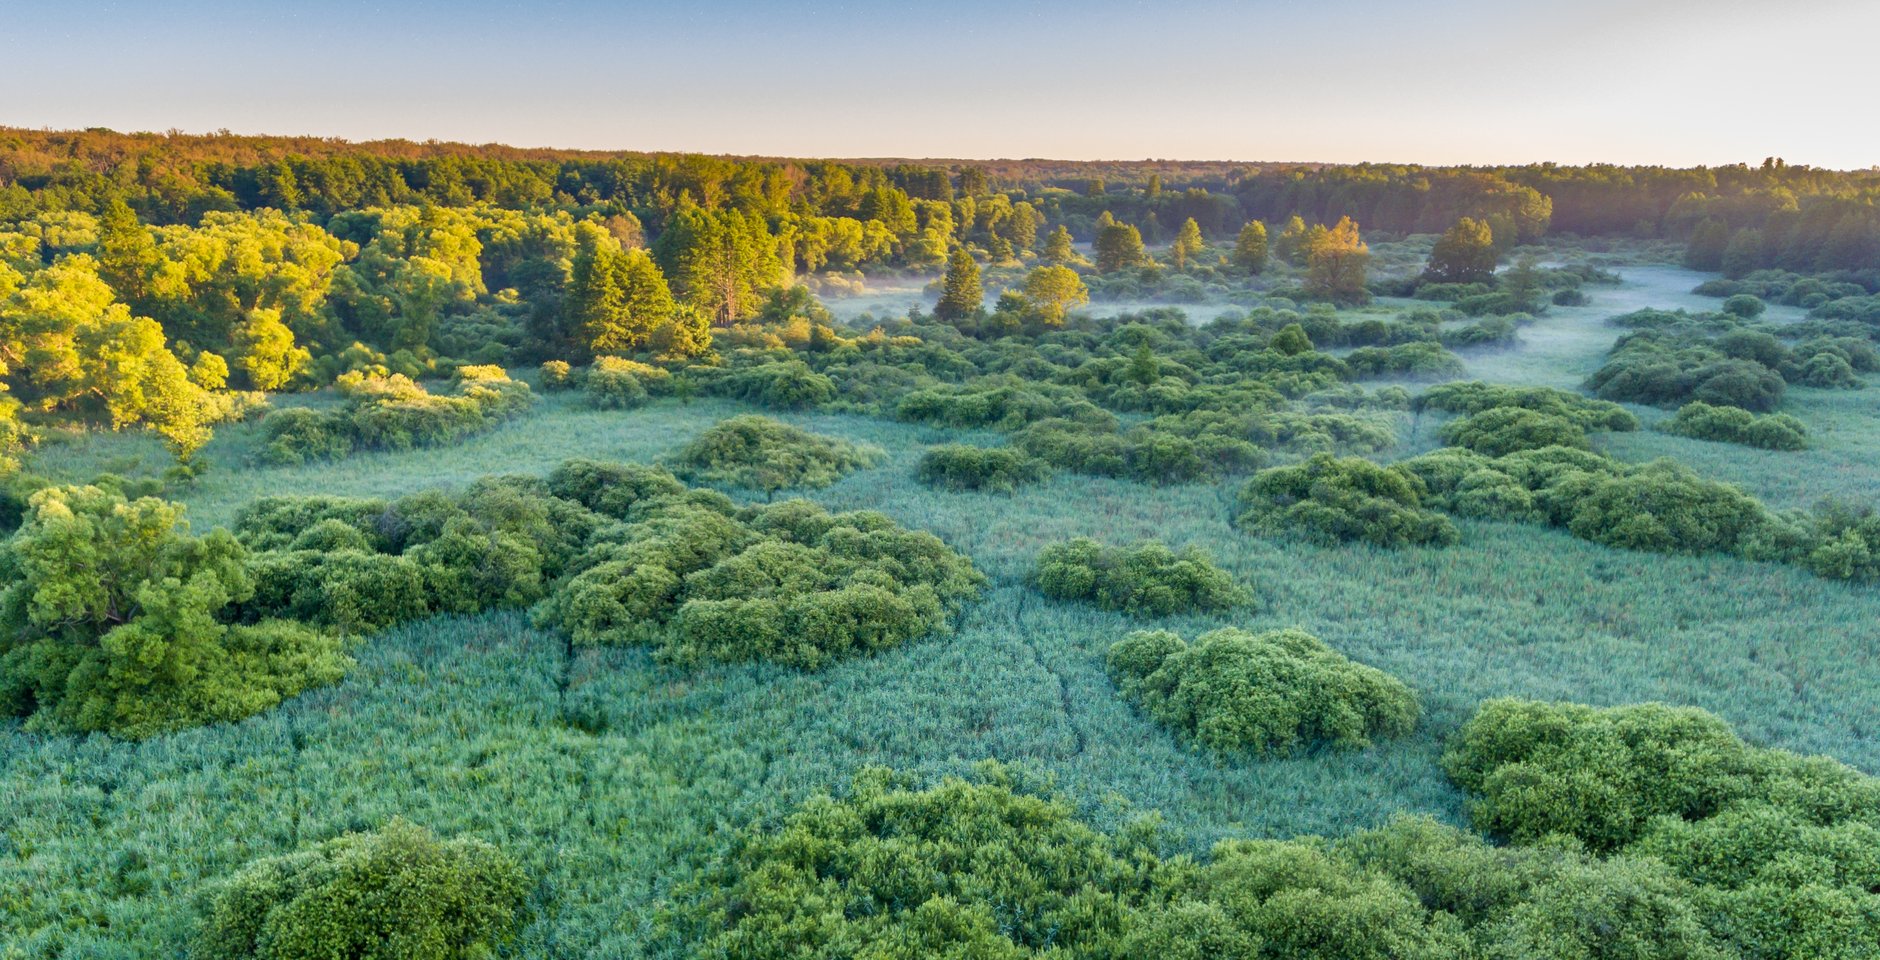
613 777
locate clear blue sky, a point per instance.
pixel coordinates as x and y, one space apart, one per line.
1440 81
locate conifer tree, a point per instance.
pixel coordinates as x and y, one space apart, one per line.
1250 247
1187 243
961 293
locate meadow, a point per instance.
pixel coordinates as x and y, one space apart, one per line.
614 779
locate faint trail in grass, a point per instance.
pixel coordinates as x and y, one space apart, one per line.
1024 630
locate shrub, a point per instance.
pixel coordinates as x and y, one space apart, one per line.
1648 369
778 384
966 467
703 580
1664 508
1334 500
965 869
395 892
1610 777
1422 360
1271 693
1746 306
759 453
1701 421
1147 579
1503 430
1155 452
109 622
394 413
1472 397
557 375
999 403
363 565
297 435
983 868
611 383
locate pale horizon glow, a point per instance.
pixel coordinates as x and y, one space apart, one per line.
1652 82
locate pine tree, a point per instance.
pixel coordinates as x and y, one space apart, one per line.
1187 243
961 293
1057 247
1250 247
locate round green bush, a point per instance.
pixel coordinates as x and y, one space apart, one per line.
1146 579
396 892
1270 694
557 375
1702 421
758 453
961 466
1336 500
1503 430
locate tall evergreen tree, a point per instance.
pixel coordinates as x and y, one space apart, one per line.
1250 247
961 293
1187 243
1057 247
720 263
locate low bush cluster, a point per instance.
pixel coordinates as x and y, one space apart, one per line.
363 565
780 384
758 453
614 554
959 466
1701 421
116 619
701 579
393 413
1502 430
1330 500
395 892
1269 694
990 867
613 383
1474 396
1146 579
1781 849
1166 450
1659 507
1674 358
1422 360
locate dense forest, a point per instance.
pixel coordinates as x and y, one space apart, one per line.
445 551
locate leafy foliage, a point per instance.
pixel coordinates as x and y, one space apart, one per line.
759 453
1471 397
1330 499
394 413
1270 693
1701 421
114 619
397 891
1781 845
702 580
1145 579
958 466
1502 430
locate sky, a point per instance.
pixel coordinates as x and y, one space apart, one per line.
1674 82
